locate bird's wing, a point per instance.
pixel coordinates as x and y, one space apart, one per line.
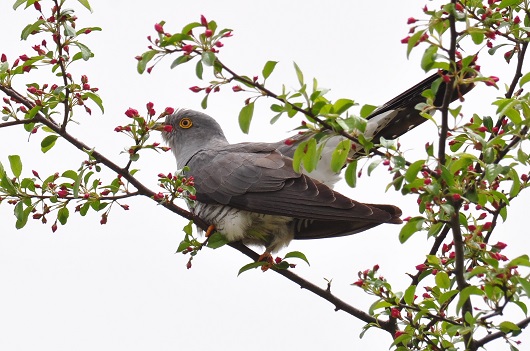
257 178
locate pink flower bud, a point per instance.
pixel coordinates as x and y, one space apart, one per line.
236 88
500 245
54 227
204 21
219 44
208 33
188 48
159 28
421 267
131 113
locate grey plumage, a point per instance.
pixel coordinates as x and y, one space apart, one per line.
250 191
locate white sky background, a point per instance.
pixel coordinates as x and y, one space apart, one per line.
120 286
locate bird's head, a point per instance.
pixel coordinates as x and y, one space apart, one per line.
190 132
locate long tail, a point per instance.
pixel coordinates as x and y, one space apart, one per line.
391 120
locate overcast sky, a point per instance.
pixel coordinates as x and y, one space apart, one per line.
121 286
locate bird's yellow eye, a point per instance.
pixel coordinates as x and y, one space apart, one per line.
185 123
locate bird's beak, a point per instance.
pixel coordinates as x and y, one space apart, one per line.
158 126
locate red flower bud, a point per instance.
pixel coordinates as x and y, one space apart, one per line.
54 227
3 58
159 28
500 245
195 89
236 88
192 197
208 33
87 31
188 48
62 193
219 44
35 174
457 197
131 113
411 20
405 40
37 6
421 267
168 128
204 21
169 110
395 313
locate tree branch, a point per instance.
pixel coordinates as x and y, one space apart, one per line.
493 336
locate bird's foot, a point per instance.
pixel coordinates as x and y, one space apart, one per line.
265 257
210 230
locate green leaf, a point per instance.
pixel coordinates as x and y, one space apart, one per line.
409 295
245 117
268 68
22 215
30 28
48 142
340 155
507 327
16 165
427 61
216 240
492 171
70 174
97 100
442 280
310 158
413 40
351 174
412 226
413 170
204 102
86 53
85 4
62 215
512 3
525 79
187 28
298 156
299 74
465 294
366 110
188 228
297 254
146 57
341 105
251 266
18 3
199 69
208 58
446 296
179 60
525 283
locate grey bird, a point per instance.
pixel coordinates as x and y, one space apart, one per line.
250 192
